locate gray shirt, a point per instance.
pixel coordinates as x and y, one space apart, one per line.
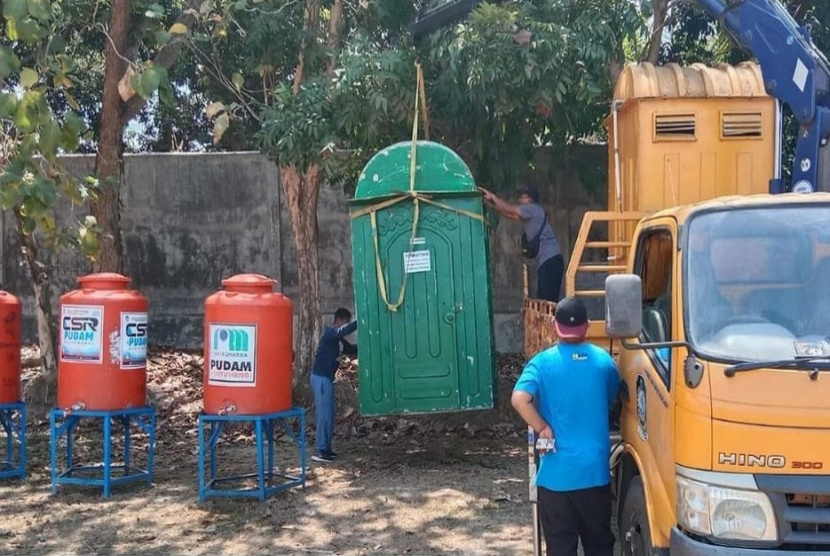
532 217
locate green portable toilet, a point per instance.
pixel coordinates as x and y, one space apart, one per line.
426 342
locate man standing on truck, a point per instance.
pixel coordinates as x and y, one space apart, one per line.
538 240
573 384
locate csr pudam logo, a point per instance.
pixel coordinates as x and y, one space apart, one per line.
231 350
230 339
79 329
136 334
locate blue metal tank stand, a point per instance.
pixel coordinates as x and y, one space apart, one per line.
264 438
13 421
106 474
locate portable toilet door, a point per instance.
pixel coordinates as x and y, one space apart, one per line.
423 294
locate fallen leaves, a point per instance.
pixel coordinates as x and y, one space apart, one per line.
175 387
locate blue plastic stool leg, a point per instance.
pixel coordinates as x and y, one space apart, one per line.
151 455
201 459
107 457
260 459
302 449
11 431
125 422
23 441
53 451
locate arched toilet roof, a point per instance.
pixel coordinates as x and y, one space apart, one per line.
645 80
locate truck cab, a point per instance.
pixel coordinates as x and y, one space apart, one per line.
723 319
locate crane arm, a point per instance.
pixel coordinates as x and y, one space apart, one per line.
795 71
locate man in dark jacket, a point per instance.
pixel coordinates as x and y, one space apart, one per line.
322 379
550 265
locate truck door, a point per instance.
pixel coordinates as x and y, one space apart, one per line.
648 373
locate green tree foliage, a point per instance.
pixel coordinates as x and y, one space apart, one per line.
36 65
517 75
510 77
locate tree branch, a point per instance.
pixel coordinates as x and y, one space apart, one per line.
661 9
335 30
310 15
167 56
212 67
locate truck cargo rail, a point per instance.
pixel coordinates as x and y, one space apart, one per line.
537 314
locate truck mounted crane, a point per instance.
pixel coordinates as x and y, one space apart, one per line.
695 437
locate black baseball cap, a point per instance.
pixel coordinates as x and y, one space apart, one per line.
571 318
531 191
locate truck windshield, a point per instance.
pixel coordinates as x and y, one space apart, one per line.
757 282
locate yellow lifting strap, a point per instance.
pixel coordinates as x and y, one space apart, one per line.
417 198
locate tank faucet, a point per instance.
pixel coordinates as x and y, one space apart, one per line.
78 406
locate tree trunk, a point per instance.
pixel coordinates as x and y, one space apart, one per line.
42 390
335 30
301 192
311 14
108 162
661 10
614 70
107 212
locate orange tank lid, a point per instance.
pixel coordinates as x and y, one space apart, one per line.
8 299
104 281
249 283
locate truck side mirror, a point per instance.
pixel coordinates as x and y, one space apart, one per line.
623 306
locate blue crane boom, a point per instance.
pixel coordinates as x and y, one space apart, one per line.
795 72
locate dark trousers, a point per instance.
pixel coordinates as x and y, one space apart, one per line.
549 278
568 517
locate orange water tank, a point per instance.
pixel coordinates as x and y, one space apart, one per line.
103 345
10 316
248 348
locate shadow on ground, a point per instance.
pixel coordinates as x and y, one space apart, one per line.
414 485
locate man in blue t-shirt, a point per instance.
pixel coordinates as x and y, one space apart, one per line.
322 379
564 394
550 265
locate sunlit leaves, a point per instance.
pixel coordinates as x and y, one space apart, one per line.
26 19
9 62
155 11
33 66
88 236
15 9
28 77
40 9
178 29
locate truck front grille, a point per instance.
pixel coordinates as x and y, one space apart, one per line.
802 505
808 519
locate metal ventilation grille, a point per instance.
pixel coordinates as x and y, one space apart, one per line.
674 126
741 124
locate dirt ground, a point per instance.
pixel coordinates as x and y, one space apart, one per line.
450 484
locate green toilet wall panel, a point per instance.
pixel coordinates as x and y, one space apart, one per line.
435 353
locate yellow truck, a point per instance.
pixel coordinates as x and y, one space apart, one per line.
716 304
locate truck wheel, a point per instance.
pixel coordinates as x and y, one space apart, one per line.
635 535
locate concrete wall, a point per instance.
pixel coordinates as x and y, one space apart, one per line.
190 220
